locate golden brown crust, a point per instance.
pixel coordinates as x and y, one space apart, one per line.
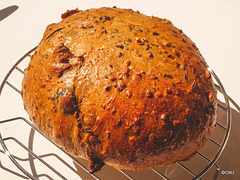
117 86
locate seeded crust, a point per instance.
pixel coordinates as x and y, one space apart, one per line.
118 87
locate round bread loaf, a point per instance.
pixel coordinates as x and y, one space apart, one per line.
120 88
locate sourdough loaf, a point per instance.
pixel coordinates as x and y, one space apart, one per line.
120 88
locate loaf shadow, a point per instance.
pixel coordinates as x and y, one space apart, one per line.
230 158
7 11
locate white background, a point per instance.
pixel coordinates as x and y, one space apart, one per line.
214 25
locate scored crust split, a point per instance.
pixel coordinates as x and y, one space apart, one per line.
120 88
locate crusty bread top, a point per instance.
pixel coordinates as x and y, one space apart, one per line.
119 86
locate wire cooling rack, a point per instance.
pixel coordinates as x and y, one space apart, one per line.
203 163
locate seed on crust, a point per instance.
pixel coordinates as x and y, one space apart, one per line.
208 74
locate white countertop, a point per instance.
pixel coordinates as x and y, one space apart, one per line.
214 25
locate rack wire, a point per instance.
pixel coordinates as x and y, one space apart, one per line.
159 172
